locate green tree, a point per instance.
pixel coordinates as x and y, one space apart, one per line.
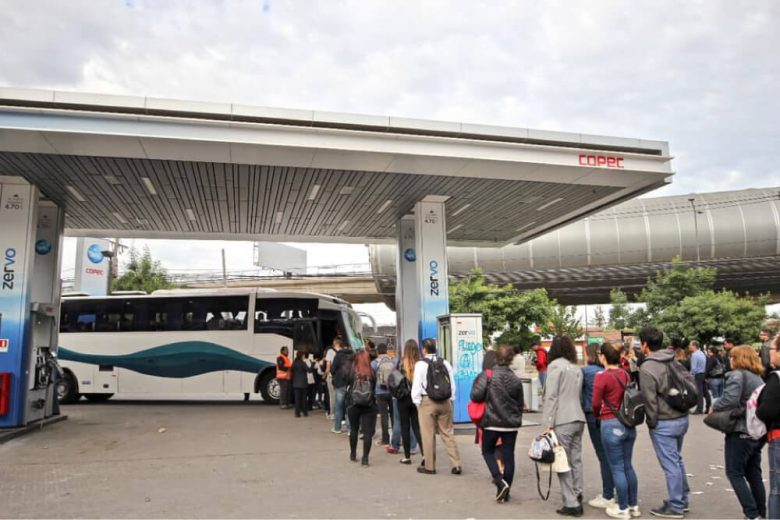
504 309
619 313
711 314
670 287
599 318
143 274
682 303
563 322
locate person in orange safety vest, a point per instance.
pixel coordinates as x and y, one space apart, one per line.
283 376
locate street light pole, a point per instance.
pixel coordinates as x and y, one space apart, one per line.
695 227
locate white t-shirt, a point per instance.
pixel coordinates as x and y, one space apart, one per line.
331 355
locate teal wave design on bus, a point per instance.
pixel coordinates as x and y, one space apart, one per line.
181 359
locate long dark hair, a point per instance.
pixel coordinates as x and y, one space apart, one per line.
362 364
562 347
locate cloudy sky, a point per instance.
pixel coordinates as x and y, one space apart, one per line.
703 75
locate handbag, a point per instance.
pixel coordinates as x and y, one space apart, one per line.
542 451
726 420
477 410
561 462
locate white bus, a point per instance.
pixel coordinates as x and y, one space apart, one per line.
221 341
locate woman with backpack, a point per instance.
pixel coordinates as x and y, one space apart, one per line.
768 411
502 394
361 392
617 438
562 413
402 392
743 453
716 369
607 497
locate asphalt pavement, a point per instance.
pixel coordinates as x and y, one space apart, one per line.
231 459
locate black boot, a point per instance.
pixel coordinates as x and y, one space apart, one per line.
353 457
364 461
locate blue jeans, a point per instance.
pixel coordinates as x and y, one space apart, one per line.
395 438
607 484
340 413
774 479
618 443
743 469
667 437
542 378
716 387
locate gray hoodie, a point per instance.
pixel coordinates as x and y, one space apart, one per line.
654 383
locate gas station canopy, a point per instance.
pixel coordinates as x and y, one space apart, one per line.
156 168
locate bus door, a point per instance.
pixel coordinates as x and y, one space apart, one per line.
305 337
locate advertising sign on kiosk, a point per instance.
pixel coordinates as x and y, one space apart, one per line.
460 340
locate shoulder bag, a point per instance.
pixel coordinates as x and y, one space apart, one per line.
726 420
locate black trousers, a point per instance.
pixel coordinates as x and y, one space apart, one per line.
410 421
489 441
300 401
385 404
310 393
361 418
704 393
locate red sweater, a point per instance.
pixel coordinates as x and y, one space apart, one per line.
606 386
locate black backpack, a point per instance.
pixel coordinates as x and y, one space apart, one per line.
683 394
631 412
398 384
718 368
438 384
361 391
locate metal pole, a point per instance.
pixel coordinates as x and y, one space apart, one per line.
224 269
695 227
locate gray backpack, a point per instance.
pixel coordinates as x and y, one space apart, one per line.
384 368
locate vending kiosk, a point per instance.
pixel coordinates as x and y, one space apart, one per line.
460 340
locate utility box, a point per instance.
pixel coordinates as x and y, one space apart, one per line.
460 343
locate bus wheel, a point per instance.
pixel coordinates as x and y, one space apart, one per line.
269 388
98 397
67 389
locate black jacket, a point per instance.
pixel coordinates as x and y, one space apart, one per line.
503 396
769 403
299 371
342 366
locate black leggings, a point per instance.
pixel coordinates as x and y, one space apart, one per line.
508 439
407 411
361 418
300 401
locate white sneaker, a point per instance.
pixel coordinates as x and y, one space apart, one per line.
634 511
602 502
616 512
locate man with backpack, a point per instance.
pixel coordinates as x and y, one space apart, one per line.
716 371
669 391
383 366
433 391
340 371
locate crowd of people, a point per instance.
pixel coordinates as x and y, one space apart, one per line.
413 397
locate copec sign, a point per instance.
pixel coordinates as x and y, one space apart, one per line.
601 161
